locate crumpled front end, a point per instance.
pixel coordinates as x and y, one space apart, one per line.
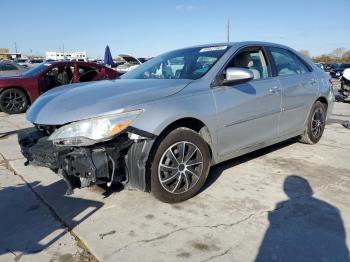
102 163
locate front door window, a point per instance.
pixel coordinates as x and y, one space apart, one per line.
252 60
56 76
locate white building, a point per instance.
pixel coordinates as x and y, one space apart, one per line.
79 56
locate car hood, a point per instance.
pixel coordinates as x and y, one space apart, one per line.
71 103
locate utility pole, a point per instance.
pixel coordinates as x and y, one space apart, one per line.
228 29
16 47
63 50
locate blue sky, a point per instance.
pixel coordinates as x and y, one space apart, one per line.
151 27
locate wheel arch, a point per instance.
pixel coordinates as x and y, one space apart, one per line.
194 124
323 100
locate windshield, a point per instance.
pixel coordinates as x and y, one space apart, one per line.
190 63
36 70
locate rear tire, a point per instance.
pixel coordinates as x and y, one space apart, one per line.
13 101
180 166
315 124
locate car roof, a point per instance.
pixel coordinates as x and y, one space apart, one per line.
239 44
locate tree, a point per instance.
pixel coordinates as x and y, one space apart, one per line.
323 59
346 57
338 53
305 53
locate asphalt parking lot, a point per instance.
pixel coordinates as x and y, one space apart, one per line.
288 202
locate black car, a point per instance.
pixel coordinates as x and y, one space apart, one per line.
329 67
337 71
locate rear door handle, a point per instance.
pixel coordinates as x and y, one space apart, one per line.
274 90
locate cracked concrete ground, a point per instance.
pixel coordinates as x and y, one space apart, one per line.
29 231
288 202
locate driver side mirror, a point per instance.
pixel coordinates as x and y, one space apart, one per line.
237 75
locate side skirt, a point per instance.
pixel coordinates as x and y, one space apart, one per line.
257 146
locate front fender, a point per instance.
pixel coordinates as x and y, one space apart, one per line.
158 115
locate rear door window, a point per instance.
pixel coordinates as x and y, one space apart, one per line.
287 63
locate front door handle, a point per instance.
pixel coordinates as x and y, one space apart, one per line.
274 90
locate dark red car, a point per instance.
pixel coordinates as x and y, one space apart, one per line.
18 92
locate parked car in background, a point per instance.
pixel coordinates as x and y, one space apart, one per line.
164 124
34 62
130 63
329 67
10 68
337 71
319 66
344 91
18 92
117 63
144 59
23 62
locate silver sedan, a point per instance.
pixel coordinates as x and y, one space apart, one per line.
163 125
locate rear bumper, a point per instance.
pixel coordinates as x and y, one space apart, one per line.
102 163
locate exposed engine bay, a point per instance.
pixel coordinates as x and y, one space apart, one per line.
344 91
119 160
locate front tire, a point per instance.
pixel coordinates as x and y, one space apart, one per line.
315 124
180 166
13 101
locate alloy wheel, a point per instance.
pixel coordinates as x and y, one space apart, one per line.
317 123
13 101
180 167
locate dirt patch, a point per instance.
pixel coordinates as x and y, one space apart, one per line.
149 216
184 255
178 207
305 168
204 247
107 234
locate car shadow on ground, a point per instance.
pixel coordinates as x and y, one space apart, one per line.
217 170
28 226
303 228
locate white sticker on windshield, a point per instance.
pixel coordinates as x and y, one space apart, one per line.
213 48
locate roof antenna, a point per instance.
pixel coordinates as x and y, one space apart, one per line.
228 29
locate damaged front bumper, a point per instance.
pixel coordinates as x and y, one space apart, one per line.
120 160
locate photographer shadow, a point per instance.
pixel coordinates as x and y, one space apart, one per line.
303 228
